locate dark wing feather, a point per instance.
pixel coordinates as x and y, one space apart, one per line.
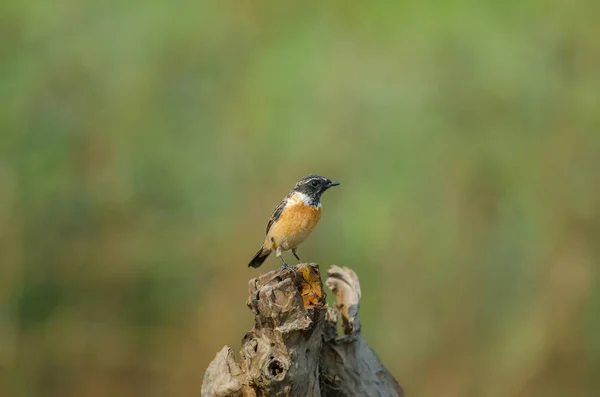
276 214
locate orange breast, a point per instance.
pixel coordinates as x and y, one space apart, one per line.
294 224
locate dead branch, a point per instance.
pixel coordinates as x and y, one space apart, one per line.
293 348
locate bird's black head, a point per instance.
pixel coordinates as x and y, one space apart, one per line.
313 186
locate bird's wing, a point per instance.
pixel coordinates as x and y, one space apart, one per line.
276 214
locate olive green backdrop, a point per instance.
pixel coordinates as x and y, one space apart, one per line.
144 145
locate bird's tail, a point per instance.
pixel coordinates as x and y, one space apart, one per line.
259 258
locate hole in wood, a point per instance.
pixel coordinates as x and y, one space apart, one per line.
275 368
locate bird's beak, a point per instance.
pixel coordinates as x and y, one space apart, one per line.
332 183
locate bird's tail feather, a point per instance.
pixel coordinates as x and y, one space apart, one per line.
260 257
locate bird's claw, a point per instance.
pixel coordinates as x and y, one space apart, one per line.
288 267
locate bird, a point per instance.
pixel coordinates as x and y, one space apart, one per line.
293 219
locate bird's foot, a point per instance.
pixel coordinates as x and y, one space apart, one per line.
285 266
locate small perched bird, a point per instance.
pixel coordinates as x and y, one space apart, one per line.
293 219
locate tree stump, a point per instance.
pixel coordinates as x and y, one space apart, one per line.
293 348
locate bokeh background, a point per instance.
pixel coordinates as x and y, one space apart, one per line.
145 144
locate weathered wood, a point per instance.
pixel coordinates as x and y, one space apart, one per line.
293 348
349 367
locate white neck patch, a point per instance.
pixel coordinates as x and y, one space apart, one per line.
299 196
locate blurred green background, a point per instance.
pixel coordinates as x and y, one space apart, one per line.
144 145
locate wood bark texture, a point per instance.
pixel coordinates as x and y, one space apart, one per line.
293 348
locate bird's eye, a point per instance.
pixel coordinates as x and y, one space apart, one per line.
314 183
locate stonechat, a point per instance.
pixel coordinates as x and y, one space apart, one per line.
293 219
